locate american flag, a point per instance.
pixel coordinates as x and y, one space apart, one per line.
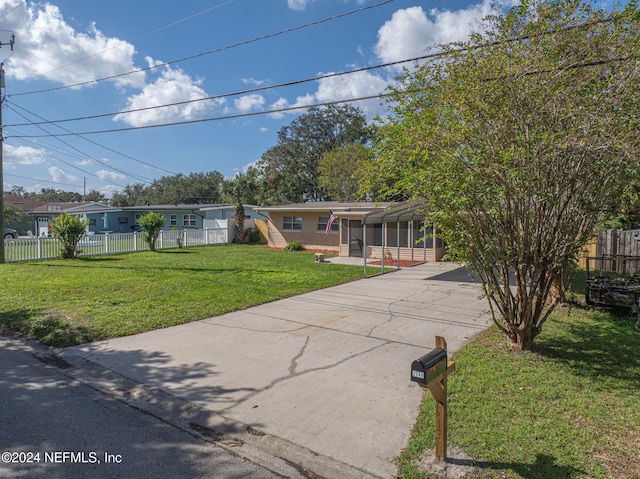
330 221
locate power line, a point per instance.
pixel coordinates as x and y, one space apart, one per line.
236 93
62 161
17 6
140 36
217 50
430 56
308 106
44 181
205 120
100 162
351 100
92 142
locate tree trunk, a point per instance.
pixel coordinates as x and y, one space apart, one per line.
240 233
558 288
521 338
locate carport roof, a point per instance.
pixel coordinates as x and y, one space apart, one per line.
399 212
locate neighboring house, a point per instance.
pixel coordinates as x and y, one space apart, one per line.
390 230
43 213
109 219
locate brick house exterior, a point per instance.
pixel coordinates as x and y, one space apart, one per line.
392 231
306 223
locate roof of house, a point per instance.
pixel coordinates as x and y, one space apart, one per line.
95 207
324 206
369 213
24 204
54 207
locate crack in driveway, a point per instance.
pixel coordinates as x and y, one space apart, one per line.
293 374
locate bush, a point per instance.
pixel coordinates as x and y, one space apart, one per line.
294 246
151 224
69 229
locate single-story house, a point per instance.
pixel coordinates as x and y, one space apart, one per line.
370 230
109 219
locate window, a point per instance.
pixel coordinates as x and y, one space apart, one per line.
374 234
123 220
189 221
173 220
428 234
322 224
293 223
137 218
92 221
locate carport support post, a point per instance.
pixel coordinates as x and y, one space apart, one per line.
439 391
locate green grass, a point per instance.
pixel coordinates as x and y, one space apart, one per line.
568 409
67 302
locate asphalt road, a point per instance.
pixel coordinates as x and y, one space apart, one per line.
54 426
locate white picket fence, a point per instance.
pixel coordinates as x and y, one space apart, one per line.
30 249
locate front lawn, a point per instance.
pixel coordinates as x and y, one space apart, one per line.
568 409
66 302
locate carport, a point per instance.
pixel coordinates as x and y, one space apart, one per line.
413 236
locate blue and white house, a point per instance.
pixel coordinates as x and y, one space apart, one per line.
109 219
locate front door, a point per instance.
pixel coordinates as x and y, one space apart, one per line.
355 238
42 227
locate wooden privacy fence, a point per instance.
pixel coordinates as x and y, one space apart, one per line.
615 251
617 243
30 249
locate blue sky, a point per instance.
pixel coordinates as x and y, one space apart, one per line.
63 46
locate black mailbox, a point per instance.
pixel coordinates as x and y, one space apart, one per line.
429 366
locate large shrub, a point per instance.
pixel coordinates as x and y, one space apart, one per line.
151 224
69 229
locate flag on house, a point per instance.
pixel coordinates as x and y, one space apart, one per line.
330 221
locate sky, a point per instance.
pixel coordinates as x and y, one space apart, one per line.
83 78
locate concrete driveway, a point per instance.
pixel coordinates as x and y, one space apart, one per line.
320 380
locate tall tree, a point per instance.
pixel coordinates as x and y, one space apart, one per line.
289 169
337 171
196 188
52 194
132 195
95 195
520 139
192 189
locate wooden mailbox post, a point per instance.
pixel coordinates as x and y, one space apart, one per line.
431 371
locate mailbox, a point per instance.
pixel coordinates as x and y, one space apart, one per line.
429 366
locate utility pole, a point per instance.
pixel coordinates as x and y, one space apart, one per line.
11 41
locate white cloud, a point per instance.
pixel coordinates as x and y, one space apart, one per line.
342 87
410 32
252 81
248 103
60 176
173 86
23 155
110 175
356 85
302 4
283 103
264 129
51 48
299 4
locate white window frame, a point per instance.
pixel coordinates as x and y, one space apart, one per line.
189 220
322 224
292 223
